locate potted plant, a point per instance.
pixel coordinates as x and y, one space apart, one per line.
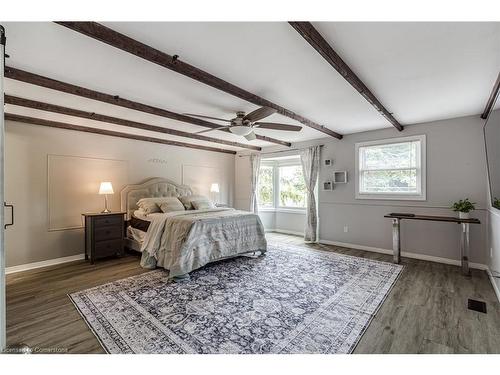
496 203
463 207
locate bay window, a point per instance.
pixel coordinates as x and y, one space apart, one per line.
281 184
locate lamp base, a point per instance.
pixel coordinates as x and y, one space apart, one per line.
106 210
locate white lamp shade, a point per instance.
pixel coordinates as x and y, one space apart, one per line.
106 188
240 130
214 188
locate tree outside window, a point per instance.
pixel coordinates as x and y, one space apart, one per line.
292 187
265 188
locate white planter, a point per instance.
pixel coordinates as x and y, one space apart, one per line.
464 215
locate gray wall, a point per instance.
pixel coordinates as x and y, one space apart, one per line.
456 168
27 147
492 135
494 244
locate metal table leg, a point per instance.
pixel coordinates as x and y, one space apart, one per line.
464 248
396 241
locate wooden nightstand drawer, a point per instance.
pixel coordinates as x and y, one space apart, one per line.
108 248
108 220
104 235
108 233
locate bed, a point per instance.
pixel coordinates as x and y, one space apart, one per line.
184 241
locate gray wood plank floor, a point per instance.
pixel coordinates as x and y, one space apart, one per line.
426 311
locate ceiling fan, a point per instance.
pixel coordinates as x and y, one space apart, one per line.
244 125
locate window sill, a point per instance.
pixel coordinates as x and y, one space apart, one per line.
391 197
283 210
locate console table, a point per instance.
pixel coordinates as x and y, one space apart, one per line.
464 236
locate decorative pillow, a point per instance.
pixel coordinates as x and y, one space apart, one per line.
173 204
202 204
188 199
152 205
148 206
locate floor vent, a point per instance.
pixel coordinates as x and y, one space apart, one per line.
477 305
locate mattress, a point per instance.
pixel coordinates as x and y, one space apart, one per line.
135 234
134 239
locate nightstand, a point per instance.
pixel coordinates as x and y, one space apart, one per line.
103 235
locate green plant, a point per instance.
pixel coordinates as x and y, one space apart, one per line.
496 203
463 205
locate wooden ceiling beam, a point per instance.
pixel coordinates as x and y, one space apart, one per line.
62 125
38 80
491 100
314 38
22 102
127 44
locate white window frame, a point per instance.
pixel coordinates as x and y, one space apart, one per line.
421 172
276 164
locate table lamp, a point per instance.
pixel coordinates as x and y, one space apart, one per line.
214 189
106 188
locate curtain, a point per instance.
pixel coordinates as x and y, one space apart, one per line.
309 159
255 166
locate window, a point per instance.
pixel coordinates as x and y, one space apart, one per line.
281 184
391 169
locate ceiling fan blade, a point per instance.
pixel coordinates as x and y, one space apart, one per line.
250 136
209 130
276 126
259 114
210 117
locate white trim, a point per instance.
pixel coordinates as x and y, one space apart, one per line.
421 170
43 263
493 283
300 211
283 231
429 258
494 211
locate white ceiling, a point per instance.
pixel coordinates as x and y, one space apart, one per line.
419 71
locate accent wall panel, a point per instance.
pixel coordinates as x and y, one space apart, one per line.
201 178
73 186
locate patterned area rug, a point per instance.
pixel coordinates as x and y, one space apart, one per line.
292 300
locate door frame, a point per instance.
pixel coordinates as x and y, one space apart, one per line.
3 324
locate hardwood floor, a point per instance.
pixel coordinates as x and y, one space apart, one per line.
426 311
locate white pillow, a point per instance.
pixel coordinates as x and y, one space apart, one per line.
141 214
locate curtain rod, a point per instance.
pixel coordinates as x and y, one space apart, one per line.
276 152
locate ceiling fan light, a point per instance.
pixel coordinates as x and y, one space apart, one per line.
250 136
240 130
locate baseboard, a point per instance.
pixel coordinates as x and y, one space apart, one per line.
430 258
285 232
494 284
44 263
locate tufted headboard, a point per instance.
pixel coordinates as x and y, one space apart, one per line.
150 188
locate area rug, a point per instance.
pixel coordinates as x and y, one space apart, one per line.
292 300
